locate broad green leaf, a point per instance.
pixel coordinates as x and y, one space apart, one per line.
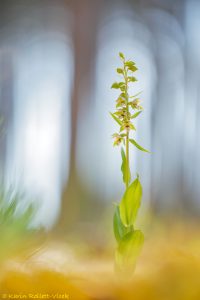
121 55
124 166
129 64
120 71
133 68
136 114
116 119
130 203
128 251
132 79
138 146
115 85
131 243
118 85
119 229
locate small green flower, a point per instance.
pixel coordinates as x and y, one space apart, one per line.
127 125
120 102
123 114
117 139
135 104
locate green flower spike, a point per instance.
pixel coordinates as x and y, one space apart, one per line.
129 240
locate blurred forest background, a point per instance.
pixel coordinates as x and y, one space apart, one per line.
57 63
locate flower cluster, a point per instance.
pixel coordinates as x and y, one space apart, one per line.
125 103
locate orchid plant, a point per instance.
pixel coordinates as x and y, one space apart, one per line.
128 108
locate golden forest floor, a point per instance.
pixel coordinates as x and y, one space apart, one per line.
167 269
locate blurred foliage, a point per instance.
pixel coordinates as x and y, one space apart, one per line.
16 218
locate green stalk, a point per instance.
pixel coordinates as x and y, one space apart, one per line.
127 159
127 132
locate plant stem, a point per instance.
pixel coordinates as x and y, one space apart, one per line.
127 132
127 159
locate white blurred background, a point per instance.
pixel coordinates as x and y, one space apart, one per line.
57 63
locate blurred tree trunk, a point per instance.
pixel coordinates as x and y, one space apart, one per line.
6 87
86 15
6 105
